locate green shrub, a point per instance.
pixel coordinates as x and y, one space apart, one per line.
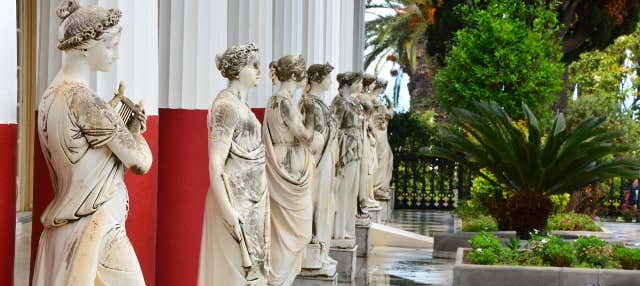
629 259
479 223
486 249
557 252
593 251
572 221
560 201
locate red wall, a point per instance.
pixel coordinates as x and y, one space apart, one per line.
8 141
141 223
182 186
164 226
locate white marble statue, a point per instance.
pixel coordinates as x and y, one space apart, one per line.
88 145
235 234
381 116
369 161
348 114
323 148
290 168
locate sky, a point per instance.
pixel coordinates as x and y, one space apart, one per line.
384 70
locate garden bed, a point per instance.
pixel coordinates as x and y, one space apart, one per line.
465 274
445 245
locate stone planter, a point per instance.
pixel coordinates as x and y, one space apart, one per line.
445 245
491 275
603 234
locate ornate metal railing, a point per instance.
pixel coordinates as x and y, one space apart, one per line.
423 182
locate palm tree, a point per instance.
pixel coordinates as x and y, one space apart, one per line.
403 36
531 164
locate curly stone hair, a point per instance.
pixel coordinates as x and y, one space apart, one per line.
380 83
368 79
81 25
235 58
348 78
288 67
318 72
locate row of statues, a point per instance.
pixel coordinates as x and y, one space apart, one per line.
300 180
281 193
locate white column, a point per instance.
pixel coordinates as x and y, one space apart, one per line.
347 10
313 45
8 63
288 26
138 64
252 21
358 34
192 32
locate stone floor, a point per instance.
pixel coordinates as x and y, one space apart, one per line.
385 266
628 233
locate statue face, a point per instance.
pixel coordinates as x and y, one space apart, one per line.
250 74
104 53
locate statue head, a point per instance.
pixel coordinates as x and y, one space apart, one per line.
91 31
242 63
367 81
349 82
320 76
289 68
379 86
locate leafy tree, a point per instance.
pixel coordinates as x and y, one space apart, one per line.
403 36
532 164
607 87
508 53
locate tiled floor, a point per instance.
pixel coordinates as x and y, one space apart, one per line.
628 233
385 266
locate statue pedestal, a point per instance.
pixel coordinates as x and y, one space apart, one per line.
363 237
386 205
313 258
376 214
346 257
385 209
303 280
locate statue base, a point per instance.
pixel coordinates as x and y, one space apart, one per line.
303 280
346 268
313 257
363 239
343 243
375 214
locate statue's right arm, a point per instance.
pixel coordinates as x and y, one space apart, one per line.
221 126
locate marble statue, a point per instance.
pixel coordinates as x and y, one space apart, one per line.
235 233
322 147
348 114
369 162
88 145
380 118
290 168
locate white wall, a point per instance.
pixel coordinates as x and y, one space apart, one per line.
191 33
8 63
138 64
320 30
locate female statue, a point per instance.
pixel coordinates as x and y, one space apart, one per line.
87 146
322 148
290 168
380 119
348 113
235 233
369 158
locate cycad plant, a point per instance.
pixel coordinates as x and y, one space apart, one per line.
531 163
